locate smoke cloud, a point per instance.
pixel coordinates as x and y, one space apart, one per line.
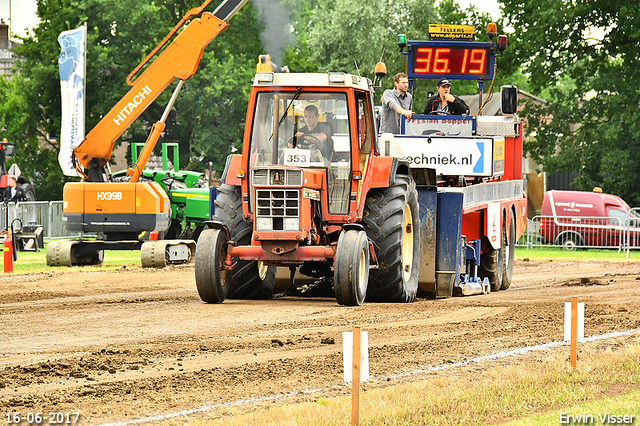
277 33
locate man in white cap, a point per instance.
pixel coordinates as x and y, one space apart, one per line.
444 102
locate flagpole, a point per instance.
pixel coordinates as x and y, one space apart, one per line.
84 97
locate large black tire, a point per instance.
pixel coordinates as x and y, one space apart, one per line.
509 253
174 230
391 219
249 279
351 268
211 280
29 191
491 265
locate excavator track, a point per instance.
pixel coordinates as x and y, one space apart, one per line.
64 253
158 254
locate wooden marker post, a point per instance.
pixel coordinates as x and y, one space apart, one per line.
355 379
574 332
574 327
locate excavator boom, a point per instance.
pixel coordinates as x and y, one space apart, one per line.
124 212
179 60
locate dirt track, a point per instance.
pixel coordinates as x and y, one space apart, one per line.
116 346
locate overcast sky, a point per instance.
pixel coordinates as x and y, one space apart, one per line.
490 6
23 12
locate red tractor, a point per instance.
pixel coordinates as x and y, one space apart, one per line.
326 206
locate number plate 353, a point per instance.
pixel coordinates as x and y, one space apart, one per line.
296 157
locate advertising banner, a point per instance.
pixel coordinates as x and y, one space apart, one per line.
72 63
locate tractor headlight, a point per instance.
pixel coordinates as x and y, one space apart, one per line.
264 224
291 223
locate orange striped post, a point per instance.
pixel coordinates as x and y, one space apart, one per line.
355 379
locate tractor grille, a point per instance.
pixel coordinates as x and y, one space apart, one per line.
279 206
277 176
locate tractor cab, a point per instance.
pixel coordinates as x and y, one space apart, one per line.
301 133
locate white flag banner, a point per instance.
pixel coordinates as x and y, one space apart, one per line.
72 62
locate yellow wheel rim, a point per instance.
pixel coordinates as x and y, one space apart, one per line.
407 243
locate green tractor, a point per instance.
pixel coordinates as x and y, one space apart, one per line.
187 190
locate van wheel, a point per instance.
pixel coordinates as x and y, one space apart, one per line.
571 242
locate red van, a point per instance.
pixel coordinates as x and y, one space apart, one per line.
579 218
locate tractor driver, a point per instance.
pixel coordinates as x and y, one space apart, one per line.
314 134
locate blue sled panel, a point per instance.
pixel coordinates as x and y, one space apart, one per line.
212 199
449 227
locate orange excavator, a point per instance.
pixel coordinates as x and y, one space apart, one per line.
121 213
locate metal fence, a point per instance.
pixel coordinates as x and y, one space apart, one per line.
571 233
542 231
48 214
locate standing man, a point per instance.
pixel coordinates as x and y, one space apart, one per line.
395 103
13 193
444 102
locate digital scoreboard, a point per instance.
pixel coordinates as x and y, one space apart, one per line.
451 59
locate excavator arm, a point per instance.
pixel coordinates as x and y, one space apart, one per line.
179 60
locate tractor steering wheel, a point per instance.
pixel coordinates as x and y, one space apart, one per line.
303 141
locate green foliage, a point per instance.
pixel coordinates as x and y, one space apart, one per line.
582 57
337 34
207 120
208 117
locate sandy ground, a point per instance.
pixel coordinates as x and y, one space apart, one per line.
123 345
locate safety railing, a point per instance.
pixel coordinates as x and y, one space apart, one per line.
571 233
47 214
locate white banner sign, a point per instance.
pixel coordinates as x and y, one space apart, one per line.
449 156
72 62
347 359
425 125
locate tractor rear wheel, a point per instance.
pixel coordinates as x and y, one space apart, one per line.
211 279
509 253
29 191
391 220
249 279
351 269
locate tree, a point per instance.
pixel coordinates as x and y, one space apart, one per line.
582 57
120 35
341 33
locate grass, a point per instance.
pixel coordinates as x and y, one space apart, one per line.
30 262
534 392
627 404
583 254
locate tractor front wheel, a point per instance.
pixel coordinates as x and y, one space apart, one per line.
249 279
211 277
351 268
